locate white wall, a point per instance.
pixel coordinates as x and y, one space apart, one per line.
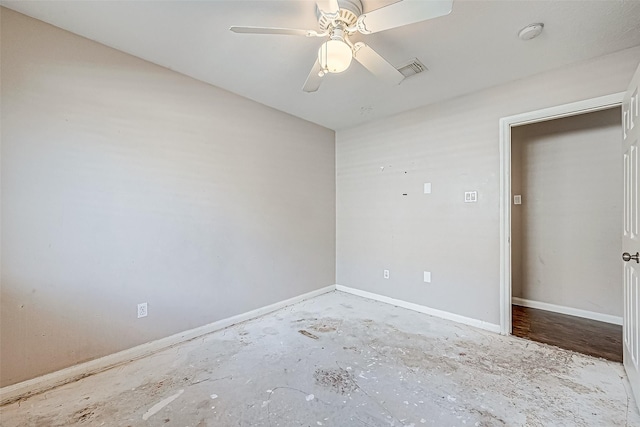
566 233
455 146
124 182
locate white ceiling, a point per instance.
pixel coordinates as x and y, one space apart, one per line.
474 47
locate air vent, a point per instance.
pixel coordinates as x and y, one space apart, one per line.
412 68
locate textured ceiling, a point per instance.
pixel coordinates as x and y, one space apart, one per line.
474 47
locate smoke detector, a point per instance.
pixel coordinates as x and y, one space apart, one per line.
531 31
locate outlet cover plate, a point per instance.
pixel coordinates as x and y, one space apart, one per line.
142 310
427 277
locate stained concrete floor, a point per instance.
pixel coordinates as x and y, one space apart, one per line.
357 363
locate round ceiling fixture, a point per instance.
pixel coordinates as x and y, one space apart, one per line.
334 56
531 31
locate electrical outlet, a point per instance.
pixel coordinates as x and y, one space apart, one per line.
386 274
142 310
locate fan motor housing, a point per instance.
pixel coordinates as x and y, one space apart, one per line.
349 12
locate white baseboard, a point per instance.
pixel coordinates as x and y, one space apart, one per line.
422 309
46 382
608 318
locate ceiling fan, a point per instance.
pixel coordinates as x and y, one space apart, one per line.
340 19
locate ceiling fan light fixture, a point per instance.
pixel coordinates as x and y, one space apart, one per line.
334 56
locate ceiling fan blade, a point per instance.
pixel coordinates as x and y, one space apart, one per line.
404 12
376 64
329 7
270 30
314 79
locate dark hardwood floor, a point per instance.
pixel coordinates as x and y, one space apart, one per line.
585 336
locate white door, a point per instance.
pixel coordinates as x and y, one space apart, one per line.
631 237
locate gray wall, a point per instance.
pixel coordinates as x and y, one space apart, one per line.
566 234
516 215
124 182
455 146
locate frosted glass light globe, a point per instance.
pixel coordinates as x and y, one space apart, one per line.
335 56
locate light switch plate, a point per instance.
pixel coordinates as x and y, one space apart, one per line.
470 196
517 199
427 188
427 277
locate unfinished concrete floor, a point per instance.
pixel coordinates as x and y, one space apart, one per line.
358 363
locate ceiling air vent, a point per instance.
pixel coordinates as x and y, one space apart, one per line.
412 68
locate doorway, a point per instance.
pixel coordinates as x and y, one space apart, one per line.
566 180
539 305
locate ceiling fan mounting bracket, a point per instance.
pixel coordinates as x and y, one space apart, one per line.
348 15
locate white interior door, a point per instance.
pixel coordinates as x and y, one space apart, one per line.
631 237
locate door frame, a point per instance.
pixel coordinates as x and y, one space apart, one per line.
506 123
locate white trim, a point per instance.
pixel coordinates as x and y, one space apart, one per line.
607 318
422 309
506 123
43 383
